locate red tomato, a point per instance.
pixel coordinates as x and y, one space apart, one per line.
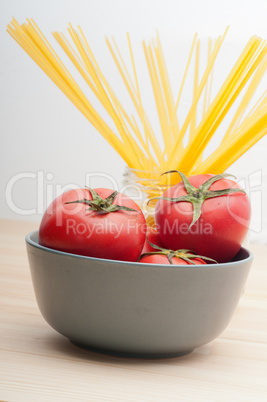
73 227
221 227
163 259
152 235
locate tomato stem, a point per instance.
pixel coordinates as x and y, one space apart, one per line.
183 254
102 205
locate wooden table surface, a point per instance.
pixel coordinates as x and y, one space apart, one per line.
38 364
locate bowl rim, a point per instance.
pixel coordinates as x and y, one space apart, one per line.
29 240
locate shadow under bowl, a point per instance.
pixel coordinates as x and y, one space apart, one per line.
135 309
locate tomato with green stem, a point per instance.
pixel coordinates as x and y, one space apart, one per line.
206 213
94 222
160 255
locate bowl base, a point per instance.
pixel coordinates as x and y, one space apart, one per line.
136 355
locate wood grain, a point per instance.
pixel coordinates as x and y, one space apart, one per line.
38 364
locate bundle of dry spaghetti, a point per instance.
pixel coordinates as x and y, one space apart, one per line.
134 138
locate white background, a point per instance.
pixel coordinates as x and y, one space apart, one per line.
49 143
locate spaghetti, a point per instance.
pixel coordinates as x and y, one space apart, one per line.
137 143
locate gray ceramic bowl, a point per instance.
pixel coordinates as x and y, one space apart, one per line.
135 309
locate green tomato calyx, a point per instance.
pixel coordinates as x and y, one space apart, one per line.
183 254
198 195
102 205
